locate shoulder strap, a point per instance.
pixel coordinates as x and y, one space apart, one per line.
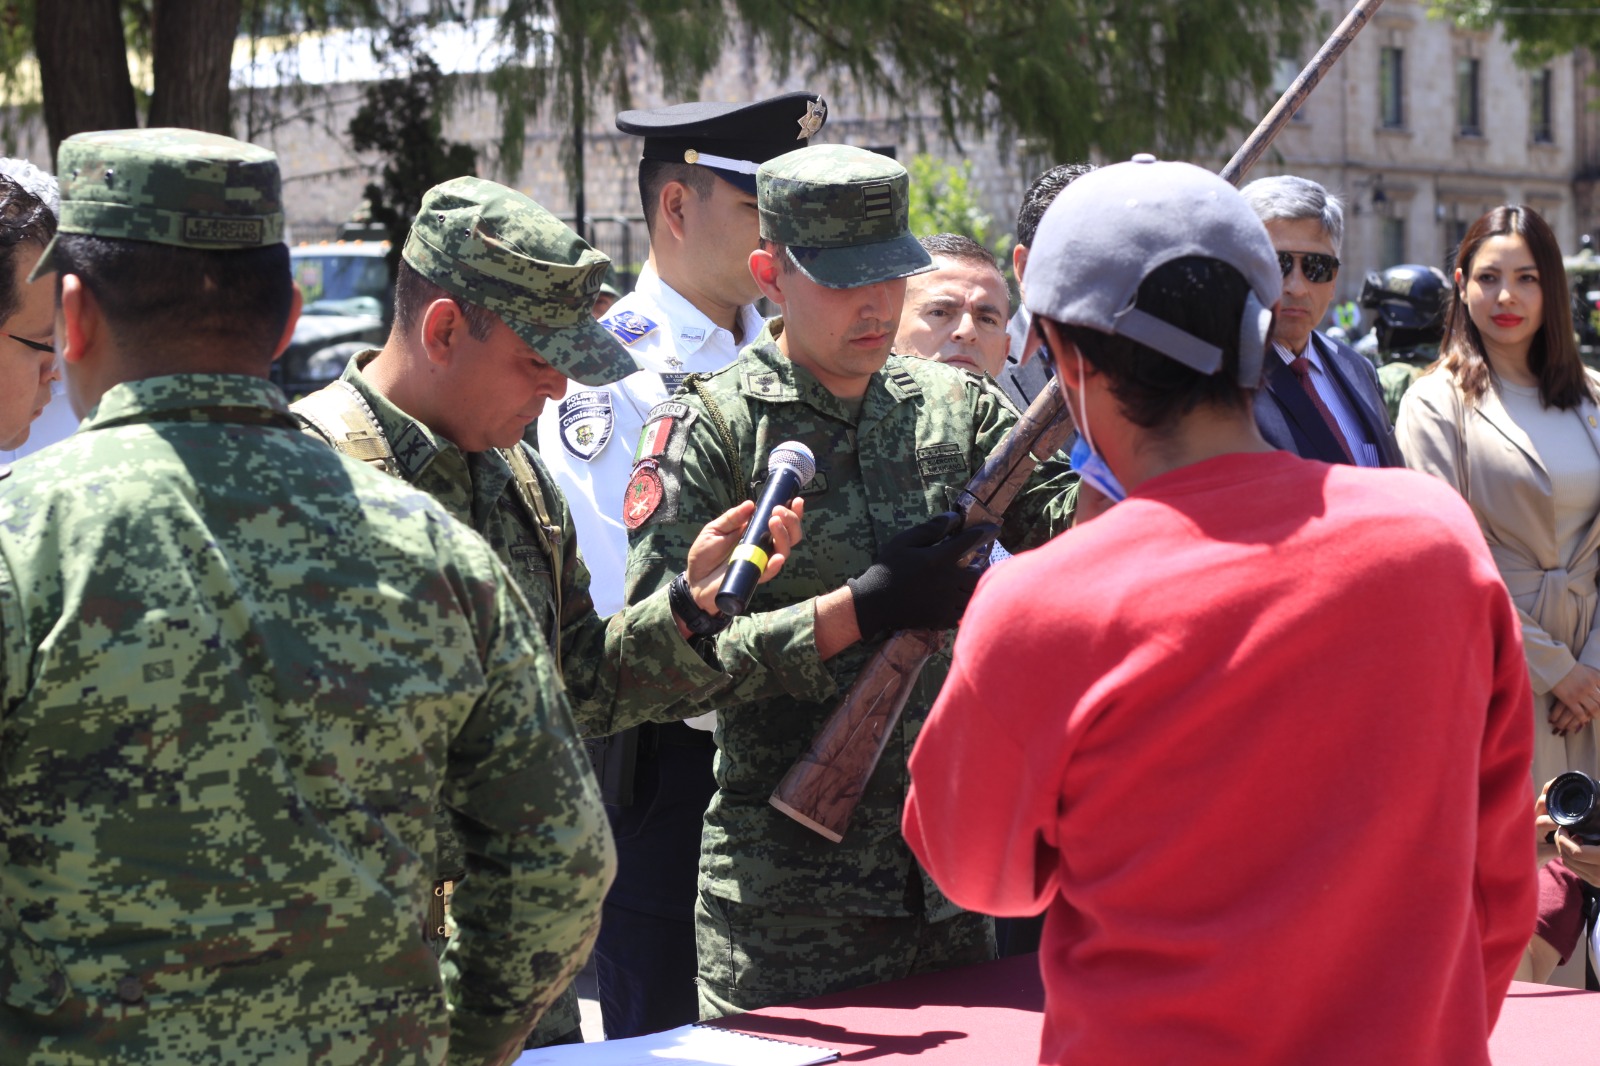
340 413
697 383
547 532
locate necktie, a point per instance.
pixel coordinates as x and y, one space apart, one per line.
1302 368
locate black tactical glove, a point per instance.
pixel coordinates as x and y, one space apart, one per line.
917 581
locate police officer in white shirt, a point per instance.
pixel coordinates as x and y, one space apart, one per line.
691 311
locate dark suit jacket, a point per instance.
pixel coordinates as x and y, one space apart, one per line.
1289 420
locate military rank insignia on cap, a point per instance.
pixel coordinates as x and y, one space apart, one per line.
732 140
811 122
842 213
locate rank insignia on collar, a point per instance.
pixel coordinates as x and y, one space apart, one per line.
586 420
816 114
629 327
643 494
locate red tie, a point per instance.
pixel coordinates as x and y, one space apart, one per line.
1302 368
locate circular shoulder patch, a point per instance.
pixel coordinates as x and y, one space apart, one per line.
643 494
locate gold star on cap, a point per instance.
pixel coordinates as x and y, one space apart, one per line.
816 114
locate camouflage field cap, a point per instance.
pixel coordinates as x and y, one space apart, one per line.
494 247
168 186
842 213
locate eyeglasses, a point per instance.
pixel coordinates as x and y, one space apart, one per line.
1316 266
38 346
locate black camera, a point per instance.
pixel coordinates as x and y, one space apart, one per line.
1573 801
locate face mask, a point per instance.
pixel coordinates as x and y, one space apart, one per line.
1088 462
1093 469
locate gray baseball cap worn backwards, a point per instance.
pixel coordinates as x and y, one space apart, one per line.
1110 229
843 214
494 247
168 186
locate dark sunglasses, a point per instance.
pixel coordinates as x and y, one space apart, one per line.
1317 267
37 346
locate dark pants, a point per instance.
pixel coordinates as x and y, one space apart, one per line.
1018 936
645 957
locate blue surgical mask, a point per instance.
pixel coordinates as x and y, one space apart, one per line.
1093 469
1089 464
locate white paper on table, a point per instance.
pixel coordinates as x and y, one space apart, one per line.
688 1045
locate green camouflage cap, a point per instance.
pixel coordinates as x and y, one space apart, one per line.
168 186
494 247
842 213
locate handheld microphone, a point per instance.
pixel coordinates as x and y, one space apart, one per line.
789 469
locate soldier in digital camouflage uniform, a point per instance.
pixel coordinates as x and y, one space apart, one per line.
239 671
1409 300
783 913
492 316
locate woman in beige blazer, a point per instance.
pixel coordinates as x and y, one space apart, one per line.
1510 328
1508 416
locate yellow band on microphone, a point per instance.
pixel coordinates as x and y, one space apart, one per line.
749 553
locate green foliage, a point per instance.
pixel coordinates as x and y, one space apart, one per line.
569 55
1070 76
943 201
1540 32
401 118
19 83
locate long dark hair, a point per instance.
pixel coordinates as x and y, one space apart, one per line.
1553 357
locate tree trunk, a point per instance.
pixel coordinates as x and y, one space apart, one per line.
580 118
83 68
192 42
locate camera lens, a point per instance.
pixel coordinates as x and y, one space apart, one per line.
1571 798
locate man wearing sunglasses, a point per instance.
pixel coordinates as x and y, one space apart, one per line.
1319 399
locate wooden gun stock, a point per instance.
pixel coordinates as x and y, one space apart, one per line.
822 788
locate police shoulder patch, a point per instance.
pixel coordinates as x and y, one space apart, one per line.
585 421
629 327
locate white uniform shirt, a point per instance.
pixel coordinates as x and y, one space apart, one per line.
588 439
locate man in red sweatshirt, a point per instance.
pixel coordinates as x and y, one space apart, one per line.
1237 806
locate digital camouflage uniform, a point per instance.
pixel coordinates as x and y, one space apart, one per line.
785 914
238 673
1396 376
500 250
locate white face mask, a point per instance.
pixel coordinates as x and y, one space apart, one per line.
1090 464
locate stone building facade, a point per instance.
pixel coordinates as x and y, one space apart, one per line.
1422 127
